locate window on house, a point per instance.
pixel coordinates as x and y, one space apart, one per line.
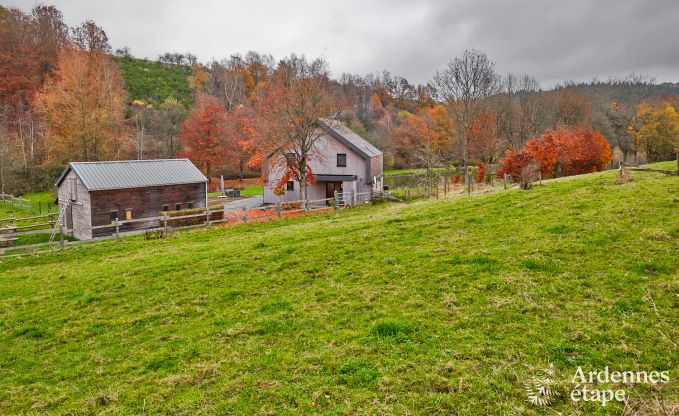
128 214
177 207
290 186
166 207
190 205
114 215
341 160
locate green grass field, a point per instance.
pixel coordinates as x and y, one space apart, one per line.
39 206
444 306
153 81
250 189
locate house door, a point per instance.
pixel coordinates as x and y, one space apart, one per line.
331 187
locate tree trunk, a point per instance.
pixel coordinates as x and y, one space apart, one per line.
465 156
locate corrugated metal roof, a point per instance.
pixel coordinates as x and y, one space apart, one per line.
98 176
360 144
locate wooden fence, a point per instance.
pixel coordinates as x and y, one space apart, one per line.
10 232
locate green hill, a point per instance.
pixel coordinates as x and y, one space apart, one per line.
154 82
445 306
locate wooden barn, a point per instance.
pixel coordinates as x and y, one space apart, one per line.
96 193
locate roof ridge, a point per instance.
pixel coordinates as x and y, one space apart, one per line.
127 161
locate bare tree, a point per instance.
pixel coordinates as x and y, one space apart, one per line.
291 114
90 37
464 86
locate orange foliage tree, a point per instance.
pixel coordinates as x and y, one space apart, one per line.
560 152
422 139
83 105
203 134
484 144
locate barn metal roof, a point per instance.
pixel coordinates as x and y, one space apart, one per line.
349 138
122 174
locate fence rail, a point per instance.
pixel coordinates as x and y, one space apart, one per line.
203 218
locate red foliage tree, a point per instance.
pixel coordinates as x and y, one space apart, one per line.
560 152
483 141
203 134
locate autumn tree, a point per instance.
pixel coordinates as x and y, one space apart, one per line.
203 135
83 105
484 144
198 79
289 112
656 131
241 139
29 47
464 86
560 152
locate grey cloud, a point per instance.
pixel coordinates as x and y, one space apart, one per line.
552 40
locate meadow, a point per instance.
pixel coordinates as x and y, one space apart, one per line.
441 306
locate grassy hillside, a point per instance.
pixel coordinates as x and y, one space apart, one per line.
152 81
437 307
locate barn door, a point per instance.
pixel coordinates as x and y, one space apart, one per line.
68 217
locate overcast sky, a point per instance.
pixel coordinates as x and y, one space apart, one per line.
551 40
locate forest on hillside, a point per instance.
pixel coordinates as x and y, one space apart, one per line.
65 95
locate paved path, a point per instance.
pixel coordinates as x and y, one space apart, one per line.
254 202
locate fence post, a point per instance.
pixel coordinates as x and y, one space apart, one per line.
117 228
62 243
279 210
207 216
505 180
245 215
224 213
165 221
336 201
353 197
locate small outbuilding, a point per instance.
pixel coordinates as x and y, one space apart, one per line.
97 193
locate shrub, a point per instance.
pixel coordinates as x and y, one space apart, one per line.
560 152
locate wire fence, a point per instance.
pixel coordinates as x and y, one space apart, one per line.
19 202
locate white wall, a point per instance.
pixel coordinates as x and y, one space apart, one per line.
324 162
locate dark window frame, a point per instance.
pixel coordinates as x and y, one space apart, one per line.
178 206
166 207
113 215
290 186
189 205
341 160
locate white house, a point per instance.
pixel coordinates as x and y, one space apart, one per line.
343 161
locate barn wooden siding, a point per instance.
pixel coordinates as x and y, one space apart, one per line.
78 216
145 202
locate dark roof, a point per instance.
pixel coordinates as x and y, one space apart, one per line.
335 178
349 138
122 174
